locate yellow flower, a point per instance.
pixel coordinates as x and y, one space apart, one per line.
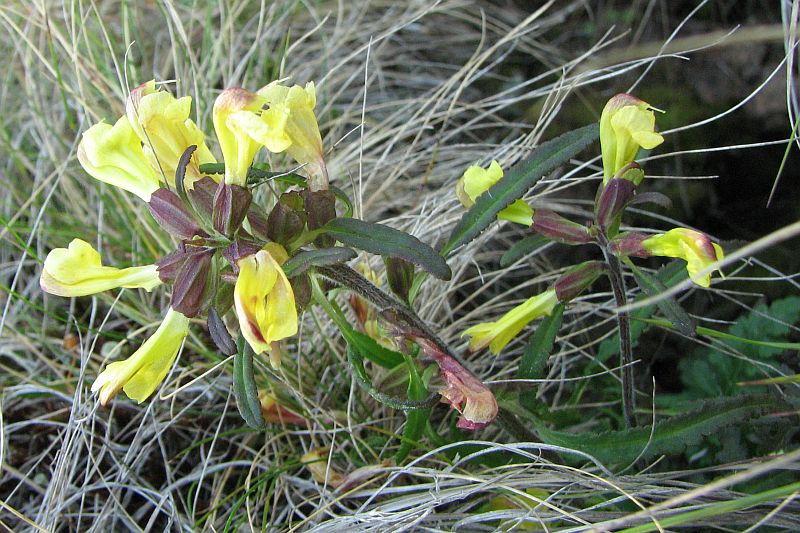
625 124
264 299
477 180
142 372
113 155
301 126
78 271
243 126
163 125
692 246
499 333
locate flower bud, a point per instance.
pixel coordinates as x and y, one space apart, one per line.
577 279
321 209
555 227
202 195
173 217
219 333
230 207
629 244
301 287
190 283
613 199
287 219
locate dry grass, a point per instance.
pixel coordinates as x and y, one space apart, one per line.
429 83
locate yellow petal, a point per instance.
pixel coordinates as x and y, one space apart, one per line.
498 334
264 299
78 271
114 155
142 372
162 124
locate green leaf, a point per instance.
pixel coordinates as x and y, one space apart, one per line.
519 178
383 240
671 436
676 314
522 248
244 387
534 360
368 348
302 261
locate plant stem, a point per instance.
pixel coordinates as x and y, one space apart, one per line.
624 327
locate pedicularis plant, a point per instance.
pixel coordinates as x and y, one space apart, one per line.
266 264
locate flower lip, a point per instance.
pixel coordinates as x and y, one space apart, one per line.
140 374
264 299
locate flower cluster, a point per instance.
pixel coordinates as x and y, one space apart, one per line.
627 124
158 153
225 239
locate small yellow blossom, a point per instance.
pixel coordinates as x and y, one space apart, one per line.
243 125
301 126
626 124
477 180
140 374
692 246
163 125
264 299
498 334
78 271
113 155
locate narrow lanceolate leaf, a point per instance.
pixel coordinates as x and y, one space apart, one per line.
676 314
302 261
670 436
534 360
244 387
521 177
388 242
